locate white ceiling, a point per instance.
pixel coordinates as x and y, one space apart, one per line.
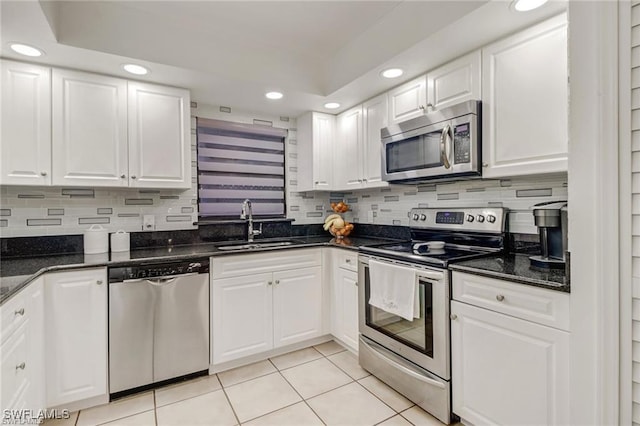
232 52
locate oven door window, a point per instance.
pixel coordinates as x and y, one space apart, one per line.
418 333
418 152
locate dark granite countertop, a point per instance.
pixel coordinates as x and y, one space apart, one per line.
516 268
15 273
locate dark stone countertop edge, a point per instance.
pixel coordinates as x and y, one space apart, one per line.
15 288
551 285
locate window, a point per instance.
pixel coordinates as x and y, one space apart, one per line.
239 161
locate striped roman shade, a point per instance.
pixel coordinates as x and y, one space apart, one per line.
238 161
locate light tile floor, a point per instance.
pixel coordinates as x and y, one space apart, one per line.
314 386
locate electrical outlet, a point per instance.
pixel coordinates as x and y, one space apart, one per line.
148 222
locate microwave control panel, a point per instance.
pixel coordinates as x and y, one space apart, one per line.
462 143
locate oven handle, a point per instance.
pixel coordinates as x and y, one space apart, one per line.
445 145
420 273
407 370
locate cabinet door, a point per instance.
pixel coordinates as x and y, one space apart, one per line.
507 371
408 100
159 137
376 116
25 142
348 151
346 300
36 396
525 102
297 305
241 316
89 129
76 335
455 82
323 147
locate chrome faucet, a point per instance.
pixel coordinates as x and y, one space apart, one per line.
247 213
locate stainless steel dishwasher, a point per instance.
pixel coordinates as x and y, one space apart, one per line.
158 323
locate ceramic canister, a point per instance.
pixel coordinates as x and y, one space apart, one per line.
96 240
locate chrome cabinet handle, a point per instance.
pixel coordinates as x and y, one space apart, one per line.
21 366
316 182
19 312
453 317
485 164
133 177
43 173
277 281
348 260
499 298
99 282
445 143
270 283
421 107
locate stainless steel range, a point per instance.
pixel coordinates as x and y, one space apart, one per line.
404 296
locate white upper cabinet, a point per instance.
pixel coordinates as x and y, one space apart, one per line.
89 129
375 115
159 137
358 162
408 100
348 151
525 102
315 142
25 141
455 82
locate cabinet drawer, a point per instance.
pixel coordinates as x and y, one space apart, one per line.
347 260
259 263
13 355
539 305
13 314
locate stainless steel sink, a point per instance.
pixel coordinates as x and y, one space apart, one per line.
253 246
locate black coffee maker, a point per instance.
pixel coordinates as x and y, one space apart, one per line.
552 221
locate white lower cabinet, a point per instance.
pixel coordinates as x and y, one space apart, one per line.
22 351
256 312
346 302
344 297
506 370
76 335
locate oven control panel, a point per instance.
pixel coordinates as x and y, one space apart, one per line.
484 219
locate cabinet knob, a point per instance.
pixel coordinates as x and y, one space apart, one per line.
270 282
453 317
316 182
499 298
123 176
21 366
348 260
43 173
485 165
364 180
421 107
99 282
277 281
133 177
19 311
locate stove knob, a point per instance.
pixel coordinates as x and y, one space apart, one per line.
480 218
423 217
416 216
470 218
491 218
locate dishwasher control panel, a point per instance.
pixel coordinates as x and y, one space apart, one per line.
158 270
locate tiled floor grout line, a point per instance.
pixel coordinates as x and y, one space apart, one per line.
155 408
233 410
305 399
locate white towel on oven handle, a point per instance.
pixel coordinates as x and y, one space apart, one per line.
394 289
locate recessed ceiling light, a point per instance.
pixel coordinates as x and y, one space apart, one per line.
526 5
26 50
392 73
135 69
332 105
274 95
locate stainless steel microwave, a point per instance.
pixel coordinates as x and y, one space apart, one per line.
440 145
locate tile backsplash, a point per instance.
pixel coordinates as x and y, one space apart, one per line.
32 211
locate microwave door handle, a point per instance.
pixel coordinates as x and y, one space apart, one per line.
445 146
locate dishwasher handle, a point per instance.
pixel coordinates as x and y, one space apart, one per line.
160 281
